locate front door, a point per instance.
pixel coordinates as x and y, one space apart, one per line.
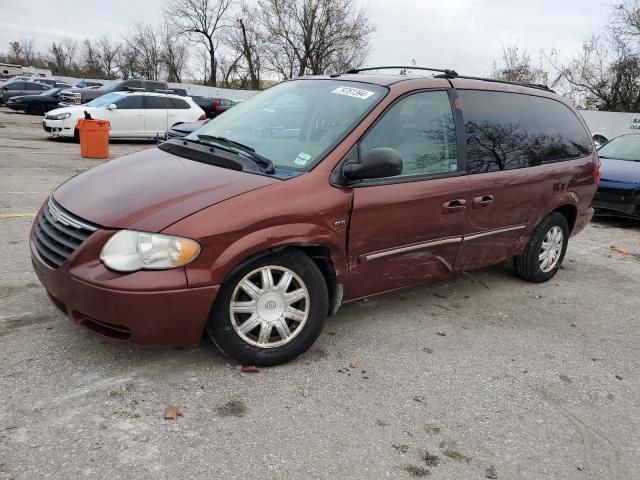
408 229
127 119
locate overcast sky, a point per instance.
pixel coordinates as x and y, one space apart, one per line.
462 34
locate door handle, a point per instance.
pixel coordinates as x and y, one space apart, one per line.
482 201
454 206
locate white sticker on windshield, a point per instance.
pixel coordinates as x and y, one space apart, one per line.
303 159
353 92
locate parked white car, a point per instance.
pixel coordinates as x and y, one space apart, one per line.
131 114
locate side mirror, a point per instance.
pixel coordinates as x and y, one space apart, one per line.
379 162
112 106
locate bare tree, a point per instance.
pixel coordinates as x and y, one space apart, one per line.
247 48
144 45
604 75
107 54
516 66
91 63
201 21
62 55
15 54
174 54
318 35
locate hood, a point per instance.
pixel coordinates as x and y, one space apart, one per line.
24 98
151 190
71 109
620 173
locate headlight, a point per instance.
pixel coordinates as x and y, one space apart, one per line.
129 251
59 116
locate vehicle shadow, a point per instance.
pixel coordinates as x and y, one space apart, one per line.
616 222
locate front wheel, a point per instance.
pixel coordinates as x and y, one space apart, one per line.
271 310
36 108
545 251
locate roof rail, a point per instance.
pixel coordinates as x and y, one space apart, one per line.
448 73
540 86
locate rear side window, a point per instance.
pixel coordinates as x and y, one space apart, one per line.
507 130
156 103
17 86
178 104
37 86
421 128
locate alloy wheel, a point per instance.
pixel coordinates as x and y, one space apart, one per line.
551 249
269 306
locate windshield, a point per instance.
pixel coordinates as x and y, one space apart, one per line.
51 91
107 99
296 123
622 148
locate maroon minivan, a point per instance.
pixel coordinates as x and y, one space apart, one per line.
316 192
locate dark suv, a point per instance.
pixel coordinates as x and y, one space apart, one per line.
77 96
316 192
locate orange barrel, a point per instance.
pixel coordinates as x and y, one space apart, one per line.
94 138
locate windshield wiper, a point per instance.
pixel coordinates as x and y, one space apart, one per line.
251 152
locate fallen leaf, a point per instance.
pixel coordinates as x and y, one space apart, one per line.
615 249
171 412
249 369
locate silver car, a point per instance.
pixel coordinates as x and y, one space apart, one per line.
20 87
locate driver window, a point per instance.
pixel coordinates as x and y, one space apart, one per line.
130 102
421 128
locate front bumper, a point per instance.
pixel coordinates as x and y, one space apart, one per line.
621 203
19 107
63 128
144 308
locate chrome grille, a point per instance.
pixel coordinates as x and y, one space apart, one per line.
58 233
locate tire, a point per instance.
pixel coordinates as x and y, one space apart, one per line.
241 333
36 108
533 265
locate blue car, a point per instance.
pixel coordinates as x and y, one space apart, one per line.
619 189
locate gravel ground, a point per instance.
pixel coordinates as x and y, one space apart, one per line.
481 375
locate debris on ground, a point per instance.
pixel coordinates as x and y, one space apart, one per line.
564 378
619 377
441 333
171 412
432 429
615 249
232 408
249 369
416 471
491 472
402 448
430 460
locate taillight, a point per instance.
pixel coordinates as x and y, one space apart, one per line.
202 117
596 172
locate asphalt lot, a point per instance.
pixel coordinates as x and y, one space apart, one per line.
446 380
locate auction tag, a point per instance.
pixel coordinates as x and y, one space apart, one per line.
353 92
303 159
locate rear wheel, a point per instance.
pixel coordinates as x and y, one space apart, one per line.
36 108
545 251
271 310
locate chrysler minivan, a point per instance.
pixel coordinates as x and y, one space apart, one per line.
316 192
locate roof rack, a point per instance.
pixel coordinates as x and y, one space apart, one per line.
448 73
